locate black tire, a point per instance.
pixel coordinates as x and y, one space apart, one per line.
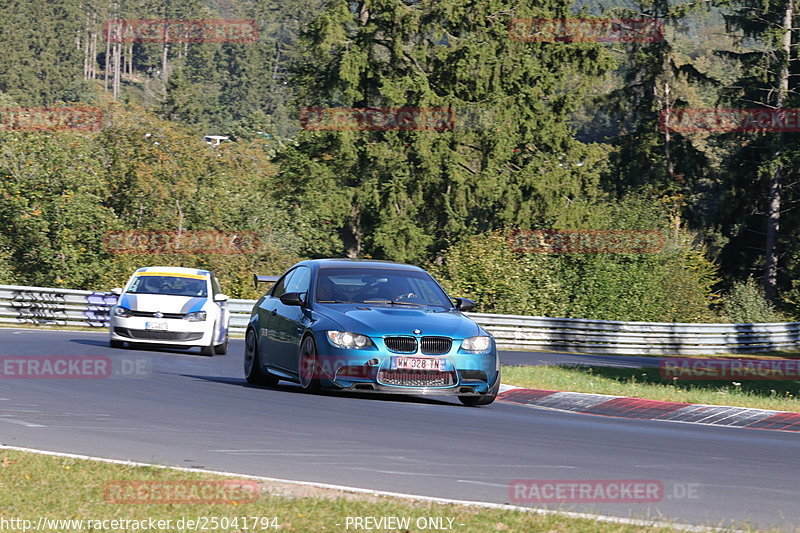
209 350
308 365
222 349
252 363
117 344
486 399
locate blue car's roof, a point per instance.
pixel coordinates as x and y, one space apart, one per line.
360 263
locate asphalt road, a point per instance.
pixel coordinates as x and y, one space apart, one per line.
180 408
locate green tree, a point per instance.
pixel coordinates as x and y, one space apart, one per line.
760 194
405 194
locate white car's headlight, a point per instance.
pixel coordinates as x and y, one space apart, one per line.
197 316
476 344
122 312
347 339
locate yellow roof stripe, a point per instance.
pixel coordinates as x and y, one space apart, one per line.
172 275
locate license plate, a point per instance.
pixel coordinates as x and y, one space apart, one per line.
418 363
161 326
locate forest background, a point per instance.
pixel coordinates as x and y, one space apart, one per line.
546 135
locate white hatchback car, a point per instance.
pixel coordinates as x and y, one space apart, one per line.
171 305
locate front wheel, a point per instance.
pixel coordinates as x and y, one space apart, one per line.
222 349
308 366
209 350
486 399
252 363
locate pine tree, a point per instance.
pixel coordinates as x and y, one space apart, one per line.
510 159
763 160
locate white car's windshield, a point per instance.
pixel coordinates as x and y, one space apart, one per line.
379 286
173 285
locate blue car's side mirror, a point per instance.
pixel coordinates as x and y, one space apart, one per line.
292 298
464 304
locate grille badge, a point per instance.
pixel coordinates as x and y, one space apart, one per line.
417 332
158 314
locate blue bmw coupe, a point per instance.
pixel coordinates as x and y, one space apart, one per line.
370 326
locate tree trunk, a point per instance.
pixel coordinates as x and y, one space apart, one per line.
165 55
352 233
93 56
774 203
108 55
117 69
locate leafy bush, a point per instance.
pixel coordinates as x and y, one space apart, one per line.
61 192
674 285
485 269
746 303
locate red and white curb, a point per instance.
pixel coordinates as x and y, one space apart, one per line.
638 408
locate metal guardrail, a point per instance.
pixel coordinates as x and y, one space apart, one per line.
69 307
49 306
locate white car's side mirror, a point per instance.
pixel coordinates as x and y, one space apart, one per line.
116 290
220 297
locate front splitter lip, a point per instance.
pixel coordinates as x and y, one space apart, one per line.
408 391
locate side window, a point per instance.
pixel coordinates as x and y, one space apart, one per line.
280 287
215 288
300 280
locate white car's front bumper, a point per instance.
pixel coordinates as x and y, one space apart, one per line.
178 331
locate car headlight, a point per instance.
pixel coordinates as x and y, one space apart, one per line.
347 339
122 312
476 344
197 316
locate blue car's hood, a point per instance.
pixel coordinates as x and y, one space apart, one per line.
377 321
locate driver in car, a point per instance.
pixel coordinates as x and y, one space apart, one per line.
399 290
326 291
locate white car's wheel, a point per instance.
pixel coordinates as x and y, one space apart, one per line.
209 350
222 349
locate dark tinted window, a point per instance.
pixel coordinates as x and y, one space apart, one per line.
300 280
215 288
280 287
379 286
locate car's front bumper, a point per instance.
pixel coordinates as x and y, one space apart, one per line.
178 332
369 370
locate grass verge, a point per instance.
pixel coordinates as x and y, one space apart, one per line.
34 485
647 383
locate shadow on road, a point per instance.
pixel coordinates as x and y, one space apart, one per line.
293 388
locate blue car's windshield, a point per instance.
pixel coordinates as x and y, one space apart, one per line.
379 286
